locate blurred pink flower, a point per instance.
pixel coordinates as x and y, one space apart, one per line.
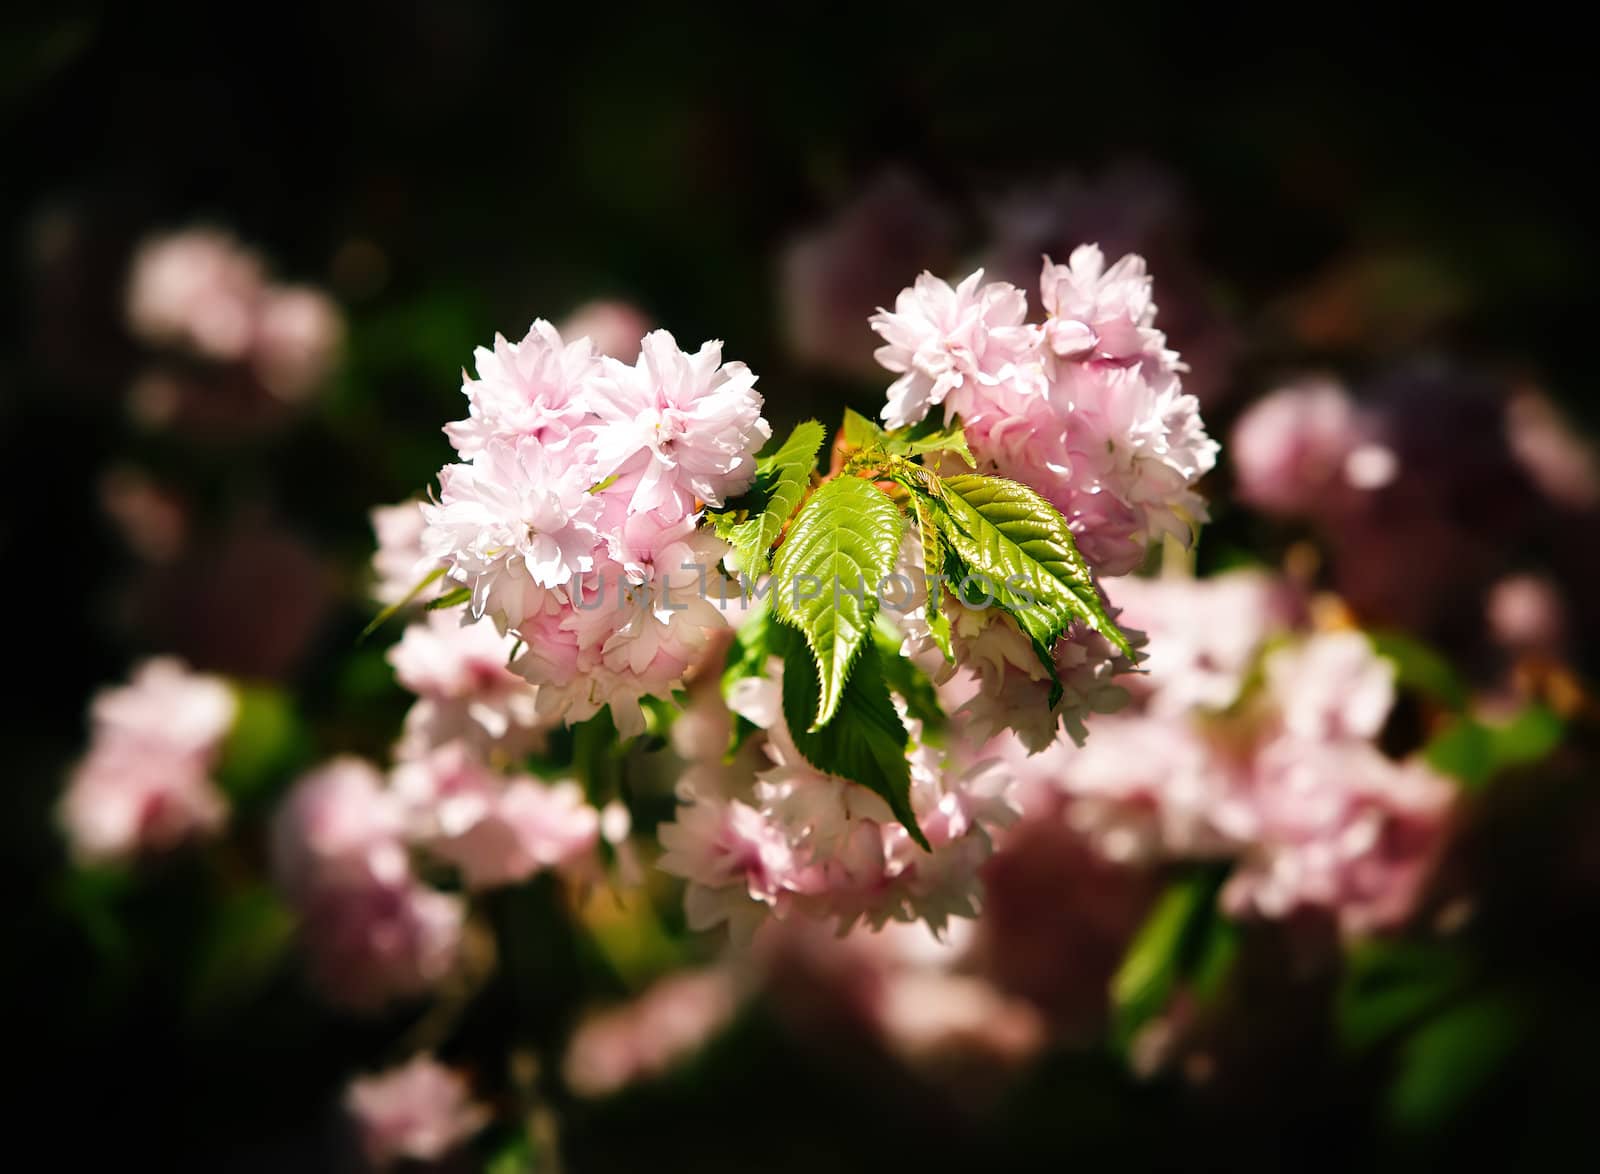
145 784
1561 462
371 932
1344 830
420 1111
299 332
153 520
198 289
646 1037
1289 450
615 328
1527 613
496 830
835 275
399 564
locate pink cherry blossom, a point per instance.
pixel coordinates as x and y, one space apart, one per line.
1289 449
533 388
518 517
299 333
1331 687
645 1038
496 830
420 1112
371 932
145 784
198 289
399 564
690 425
940 340
465 689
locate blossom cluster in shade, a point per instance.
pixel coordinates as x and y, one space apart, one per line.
146 783
1252 740
573 514
201 292
1400 506
347 849
767 835
420 1111
1087 407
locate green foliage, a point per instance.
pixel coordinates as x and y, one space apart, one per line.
927 436
241 951
1420 668
1184 940
866 741
1475 751
922 438
933 562
781 481
394 609
1020 552
1449 1061
841 546
455 597
266 744
904 678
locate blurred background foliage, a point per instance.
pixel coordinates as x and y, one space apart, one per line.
1358 193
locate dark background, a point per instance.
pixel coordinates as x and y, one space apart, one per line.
514 160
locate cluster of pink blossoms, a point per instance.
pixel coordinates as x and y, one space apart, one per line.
765 834
345 851
201 292
146 782
573 514
1087 407
1254 741
420 1111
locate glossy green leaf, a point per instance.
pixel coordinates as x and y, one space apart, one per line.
1019 551
781 482
866 743
929 436
933 564
840 548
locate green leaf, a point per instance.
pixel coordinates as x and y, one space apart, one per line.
264 747
1150 970
929 436
842 545
394 609
933 566
865 743
1184 940
242 950
1390 987
452 598
1021 552
904 678
860 432
1475 751
781 481
1421 668
1451 1060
